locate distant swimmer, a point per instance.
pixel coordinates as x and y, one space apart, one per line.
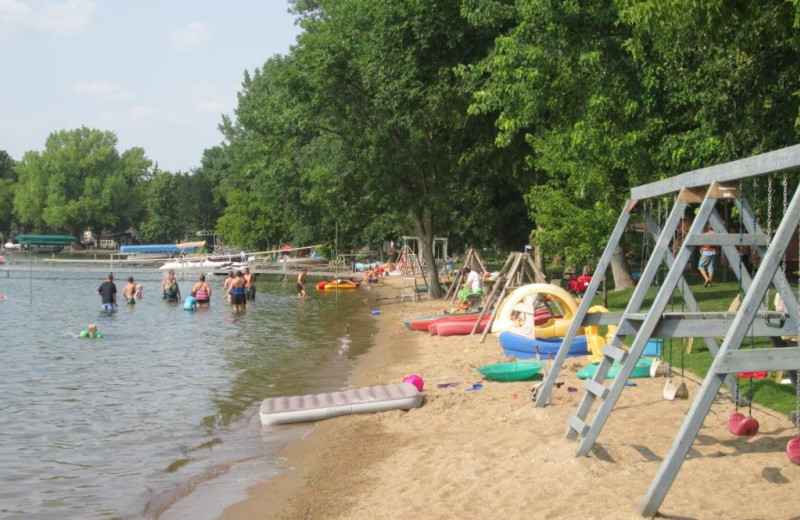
129 292
108 293
91 332
202 292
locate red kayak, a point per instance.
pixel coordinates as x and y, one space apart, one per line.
459 328
422 324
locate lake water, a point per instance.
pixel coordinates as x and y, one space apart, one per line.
158 419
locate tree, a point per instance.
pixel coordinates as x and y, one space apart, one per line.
162 223
8 181
80 182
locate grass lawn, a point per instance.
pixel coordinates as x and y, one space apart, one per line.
767 392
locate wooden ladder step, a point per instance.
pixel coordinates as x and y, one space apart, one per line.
593 387
577 424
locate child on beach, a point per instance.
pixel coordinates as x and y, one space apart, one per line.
91 332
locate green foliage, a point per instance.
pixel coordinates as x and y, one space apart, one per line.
8 181
162 223
79 182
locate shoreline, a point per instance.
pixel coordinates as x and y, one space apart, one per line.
491 453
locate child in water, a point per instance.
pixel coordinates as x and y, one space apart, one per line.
190 303
91 332
138 293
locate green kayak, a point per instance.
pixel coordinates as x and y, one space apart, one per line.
642 369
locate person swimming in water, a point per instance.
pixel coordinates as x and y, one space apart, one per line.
91 332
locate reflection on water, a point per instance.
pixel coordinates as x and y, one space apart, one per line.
168 398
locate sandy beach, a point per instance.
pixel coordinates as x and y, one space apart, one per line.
490 454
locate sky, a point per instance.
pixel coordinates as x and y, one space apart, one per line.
158 73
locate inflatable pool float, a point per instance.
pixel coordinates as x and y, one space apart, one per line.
595 341
523 347
341 285
321 285
516 310
422 323
515 371
457 328
642 369
304 408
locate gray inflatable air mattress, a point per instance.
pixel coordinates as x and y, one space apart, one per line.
303 408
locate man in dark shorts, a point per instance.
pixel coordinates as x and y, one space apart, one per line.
108 293
301 283
250 284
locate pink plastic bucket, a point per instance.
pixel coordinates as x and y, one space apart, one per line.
415 380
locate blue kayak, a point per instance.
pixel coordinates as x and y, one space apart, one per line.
523 347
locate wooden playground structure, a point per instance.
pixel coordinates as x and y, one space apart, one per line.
702 192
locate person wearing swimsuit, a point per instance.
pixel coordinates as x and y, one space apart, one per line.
202 292
171 291
238 293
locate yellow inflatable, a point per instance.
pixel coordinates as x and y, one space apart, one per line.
523 307
595 341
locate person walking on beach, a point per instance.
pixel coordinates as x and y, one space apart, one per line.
301 283
249 284
129 292
108 293
708 257
170 289
238 293
202 292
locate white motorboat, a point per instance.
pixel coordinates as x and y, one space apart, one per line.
209 263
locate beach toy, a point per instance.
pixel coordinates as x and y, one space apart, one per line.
474 386
514 371
376 313
415 380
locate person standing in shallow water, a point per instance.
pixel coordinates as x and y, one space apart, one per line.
129 292
170 288
202 292
301 283
249 284
226 285
108 293
238 293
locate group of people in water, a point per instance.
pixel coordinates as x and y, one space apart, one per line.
239 287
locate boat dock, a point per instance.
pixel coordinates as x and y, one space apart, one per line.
21 265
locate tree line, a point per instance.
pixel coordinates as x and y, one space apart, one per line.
492 122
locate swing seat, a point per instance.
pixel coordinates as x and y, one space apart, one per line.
793 451
742 426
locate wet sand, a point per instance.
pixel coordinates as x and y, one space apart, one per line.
491 454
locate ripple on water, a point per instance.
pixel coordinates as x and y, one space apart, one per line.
164 403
